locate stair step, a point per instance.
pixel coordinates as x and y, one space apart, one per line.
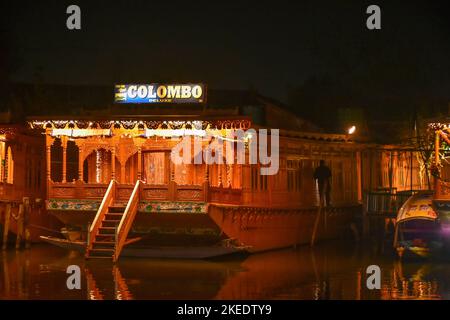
116 209
101 252
104 236
107 230
113 216
110 223
105 242
103 245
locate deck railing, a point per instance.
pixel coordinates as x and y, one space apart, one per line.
385 202
76 190
148 192
127 220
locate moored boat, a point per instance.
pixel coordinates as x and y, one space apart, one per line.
170 252
109 174
112 178
418 232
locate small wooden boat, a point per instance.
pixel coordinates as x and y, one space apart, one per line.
198 252
417 229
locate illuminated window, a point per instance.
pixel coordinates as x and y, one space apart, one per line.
2 161
9 168
97 167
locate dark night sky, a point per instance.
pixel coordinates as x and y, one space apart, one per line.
270 46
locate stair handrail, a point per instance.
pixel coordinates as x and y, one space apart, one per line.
107 200
127 220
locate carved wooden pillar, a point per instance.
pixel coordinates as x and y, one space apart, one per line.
49 162
139 170
64 158
122 171
80 159
49 141
206 173
113 163
4 155
172 169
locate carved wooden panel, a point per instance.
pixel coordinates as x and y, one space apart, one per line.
189 195
124 193
95 192
157 144
63 192
125 150
156 194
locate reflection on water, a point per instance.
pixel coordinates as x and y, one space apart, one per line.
328 271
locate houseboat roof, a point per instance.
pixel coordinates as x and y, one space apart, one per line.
439 123
96 103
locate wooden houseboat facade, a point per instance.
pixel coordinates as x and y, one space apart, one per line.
23 185
195 204
110 181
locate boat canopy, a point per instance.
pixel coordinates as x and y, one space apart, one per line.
418 206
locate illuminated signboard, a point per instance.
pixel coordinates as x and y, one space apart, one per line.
160 93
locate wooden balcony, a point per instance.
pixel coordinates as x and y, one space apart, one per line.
165 192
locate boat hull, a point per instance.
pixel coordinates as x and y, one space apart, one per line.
173 252
256 229
264 229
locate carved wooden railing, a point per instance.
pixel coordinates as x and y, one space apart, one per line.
225 195
173 192
76 190
194 193
127 220
154 192
7 191
107 201
123 192
148 192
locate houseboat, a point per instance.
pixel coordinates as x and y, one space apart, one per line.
22 184
110 178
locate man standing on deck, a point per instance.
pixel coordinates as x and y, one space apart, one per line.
323 176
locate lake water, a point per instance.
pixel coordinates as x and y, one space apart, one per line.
329 271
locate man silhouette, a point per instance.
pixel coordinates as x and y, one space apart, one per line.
323 176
